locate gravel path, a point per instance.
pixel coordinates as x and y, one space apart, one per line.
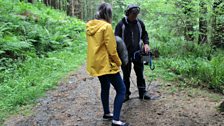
76 102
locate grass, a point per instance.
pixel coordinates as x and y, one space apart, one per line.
175 83
23 81
35 76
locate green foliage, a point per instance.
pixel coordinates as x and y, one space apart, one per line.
22 85
38 47
217 78
200 71
118 11
34 29
167 22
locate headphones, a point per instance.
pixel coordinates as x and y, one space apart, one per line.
130 7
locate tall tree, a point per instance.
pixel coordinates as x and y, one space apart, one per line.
203 22
77 9
217 23
188 10
70 8
53 4
186 16
30 1
46 2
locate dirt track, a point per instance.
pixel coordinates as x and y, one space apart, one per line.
76 102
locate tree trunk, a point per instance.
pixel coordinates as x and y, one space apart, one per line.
82 9
46 2
30 1
70 9
50 2
77 8
60 4
85 9
92 9
53 4
203 23
217 25
188 10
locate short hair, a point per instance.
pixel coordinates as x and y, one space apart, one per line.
104 11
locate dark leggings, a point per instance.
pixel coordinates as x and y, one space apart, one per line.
118 84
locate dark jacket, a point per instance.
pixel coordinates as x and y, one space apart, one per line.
132 34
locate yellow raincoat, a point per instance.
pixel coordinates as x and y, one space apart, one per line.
102 56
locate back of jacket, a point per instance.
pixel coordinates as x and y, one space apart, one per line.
102 56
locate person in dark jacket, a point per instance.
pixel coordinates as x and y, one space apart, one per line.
132 30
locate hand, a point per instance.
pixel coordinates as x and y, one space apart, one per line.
147 48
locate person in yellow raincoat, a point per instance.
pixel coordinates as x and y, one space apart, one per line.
103 61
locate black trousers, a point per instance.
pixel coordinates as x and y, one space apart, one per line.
138 68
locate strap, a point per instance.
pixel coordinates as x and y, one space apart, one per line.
140 34
140 28
123 28
151 65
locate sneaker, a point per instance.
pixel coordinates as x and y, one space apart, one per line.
108 116
119 123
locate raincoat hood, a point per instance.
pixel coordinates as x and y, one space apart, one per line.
93 26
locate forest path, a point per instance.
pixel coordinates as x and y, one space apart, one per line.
76 102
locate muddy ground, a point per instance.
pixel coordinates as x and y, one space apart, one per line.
76 102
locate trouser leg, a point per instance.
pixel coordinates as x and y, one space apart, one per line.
105 90
126 77
139 68
119 86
